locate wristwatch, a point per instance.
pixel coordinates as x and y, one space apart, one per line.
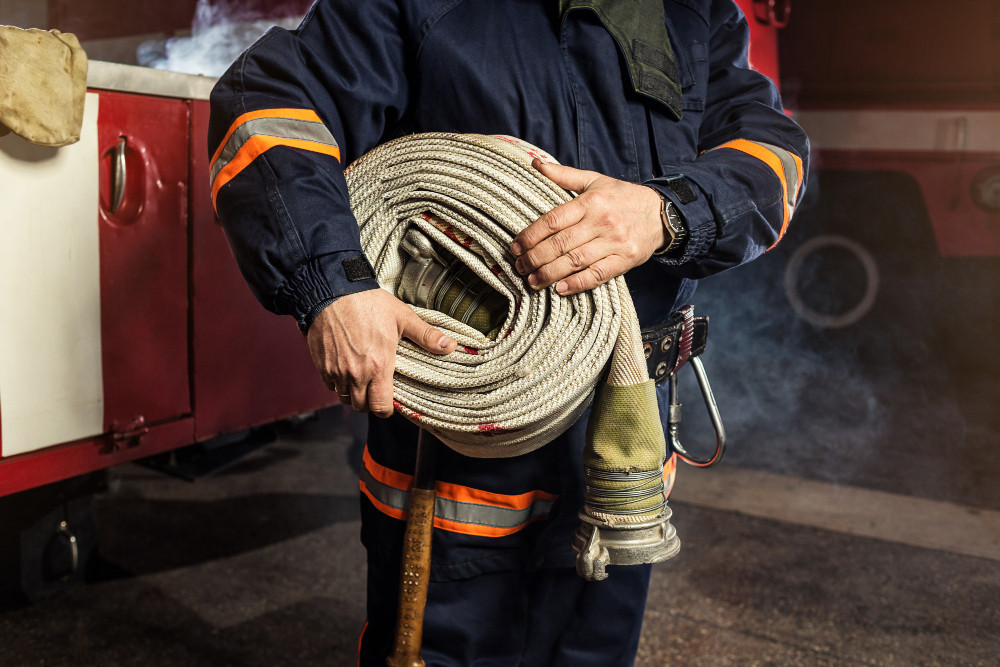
675 229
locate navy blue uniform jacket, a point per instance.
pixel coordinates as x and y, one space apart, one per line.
300 105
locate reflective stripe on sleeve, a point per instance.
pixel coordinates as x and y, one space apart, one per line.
786 166
255 132
459 509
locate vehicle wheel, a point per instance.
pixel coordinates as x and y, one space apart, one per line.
793 274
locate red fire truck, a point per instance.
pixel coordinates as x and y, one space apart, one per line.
126 329
901 102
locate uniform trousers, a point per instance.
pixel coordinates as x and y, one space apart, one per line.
545 618
510 600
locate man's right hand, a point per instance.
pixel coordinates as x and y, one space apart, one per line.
353 344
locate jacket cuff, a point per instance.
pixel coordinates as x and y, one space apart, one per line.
321 281
692 205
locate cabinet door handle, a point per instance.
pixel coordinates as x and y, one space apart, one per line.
118 176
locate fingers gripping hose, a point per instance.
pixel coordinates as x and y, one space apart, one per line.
519 388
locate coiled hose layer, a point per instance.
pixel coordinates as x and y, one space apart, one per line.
512 393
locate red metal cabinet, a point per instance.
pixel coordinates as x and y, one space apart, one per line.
250 366
144 260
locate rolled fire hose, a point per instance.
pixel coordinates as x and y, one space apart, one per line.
437 213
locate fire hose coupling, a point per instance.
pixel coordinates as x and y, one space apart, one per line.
432 278
625 519
598 545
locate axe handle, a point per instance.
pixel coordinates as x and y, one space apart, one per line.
415 569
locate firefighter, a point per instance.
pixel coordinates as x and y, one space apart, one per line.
685 165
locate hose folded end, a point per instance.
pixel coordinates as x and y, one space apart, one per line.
624 454
625 519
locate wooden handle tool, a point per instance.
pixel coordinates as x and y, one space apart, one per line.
415 570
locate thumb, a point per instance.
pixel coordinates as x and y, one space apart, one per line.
425 335
568 178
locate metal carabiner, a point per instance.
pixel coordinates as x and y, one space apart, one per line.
674 418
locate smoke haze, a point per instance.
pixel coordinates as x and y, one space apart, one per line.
220 31
904 400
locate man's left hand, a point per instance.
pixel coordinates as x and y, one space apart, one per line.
609 228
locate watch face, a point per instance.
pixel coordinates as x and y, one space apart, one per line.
674 221
675 227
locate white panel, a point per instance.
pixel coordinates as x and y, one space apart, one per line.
937 131
51 389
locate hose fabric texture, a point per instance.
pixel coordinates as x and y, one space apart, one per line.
510 394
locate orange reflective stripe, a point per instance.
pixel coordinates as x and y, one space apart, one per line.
483 531
254 148
382 507
466 494
669 474
387 475
297 114
774 162
361 639
463 494
445 524
670 465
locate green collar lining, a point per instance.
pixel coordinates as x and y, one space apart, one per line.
639 27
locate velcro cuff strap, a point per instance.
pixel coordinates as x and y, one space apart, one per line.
681 187
357 268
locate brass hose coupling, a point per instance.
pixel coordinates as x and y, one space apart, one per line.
432 278
598 544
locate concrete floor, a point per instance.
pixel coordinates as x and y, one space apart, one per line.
261 565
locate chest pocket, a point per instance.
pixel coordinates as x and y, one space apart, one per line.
693 63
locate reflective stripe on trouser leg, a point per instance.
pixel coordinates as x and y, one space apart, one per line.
457 508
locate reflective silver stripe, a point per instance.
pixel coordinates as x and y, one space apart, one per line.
284 128
788 166
397 499
791 172
454 510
